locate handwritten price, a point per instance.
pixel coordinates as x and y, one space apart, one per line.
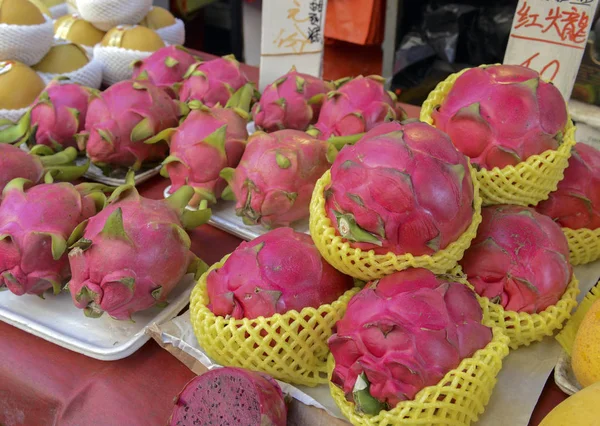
554 64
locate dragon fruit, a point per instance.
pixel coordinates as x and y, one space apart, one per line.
132 254
519 259
279 271
500 115
402 188
54 119
16 163
274 181
165 67
576 202
122 118
208 141
34 230
356 107
291 102
213 82
228 396
401 334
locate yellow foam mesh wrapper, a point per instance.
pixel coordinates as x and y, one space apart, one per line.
368 266
584 245
527 183
522 328
291 347
566 337
457 400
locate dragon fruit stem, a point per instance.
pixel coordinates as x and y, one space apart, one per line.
67 156
17 133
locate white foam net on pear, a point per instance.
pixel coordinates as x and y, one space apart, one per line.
173 34
26 43
107 14
117 63
90 75
59 10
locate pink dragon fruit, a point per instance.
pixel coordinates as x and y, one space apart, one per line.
401 334
402 188
291 102
208 141
520 259
55 117
122 119
16 163
213 82
132 254
165 67
34 230
279 271
358 106
228 396
500 115
276 177
576 202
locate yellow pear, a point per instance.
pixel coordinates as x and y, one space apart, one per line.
580 409
20 12
77 30
63 58
158 18
585 357
134 38
19 85
52 3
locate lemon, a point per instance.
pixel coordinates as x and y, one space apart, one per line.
19 85
580 409
134 38
586 348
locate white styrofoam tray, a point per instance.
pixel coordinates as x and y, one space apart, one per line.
57 320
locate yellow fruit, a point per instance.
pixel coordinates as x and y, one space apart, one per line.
77 30
19 85
42 6
586 348
580 409
20 12
158 18
134 38
63 58
52 3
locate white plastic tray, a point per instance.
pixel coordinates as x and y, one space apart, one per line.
57 320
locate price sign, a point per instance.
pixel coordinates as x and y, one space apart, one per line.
292 35
550 37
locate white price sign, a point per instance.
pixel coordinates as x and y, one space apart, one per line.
550 37
292 35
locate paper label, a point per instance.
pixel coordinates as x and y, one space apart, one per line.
550 36
293 26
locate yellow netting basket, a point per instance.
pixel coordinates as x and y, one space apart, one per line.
458 399
527 183
566 337
291 347
522 328
368 266
584 245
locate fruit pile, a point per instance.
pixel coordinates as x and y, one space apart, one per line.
434 245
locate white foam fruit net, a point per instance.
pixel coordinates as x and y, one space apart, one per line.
59 10
26 43
173 34
89 75
117 63
106 14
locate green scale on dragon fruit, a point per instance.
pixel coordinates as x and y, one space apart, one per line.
206 142
130 256
279 271
212 82
501 115
121 119
576 202
293 101
55 118
403 333
402 188
230 396
519 259
16 163
276 176
165 67
34 232
357 106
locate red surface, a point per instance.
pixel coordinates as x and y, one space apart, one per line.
43 384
